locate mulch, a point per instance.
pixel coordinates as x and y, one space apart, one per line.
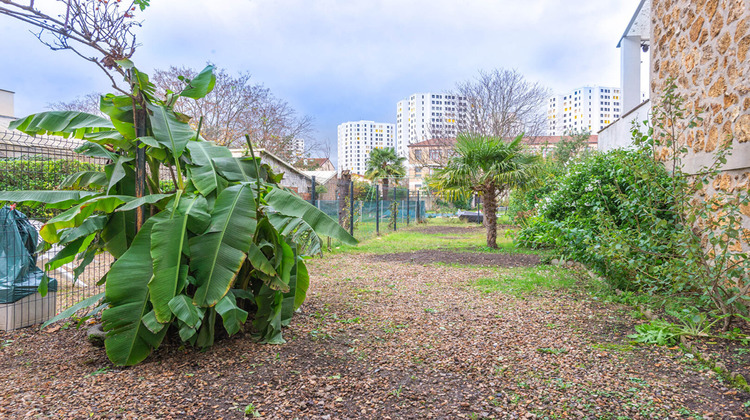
428 256
382 339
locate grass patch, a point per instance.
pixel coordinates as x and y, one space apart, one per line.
410 239
526 280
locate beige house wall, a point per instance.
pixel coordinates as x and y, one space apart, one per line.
703 45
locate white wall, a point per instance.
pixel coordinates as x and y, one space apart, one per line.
618 134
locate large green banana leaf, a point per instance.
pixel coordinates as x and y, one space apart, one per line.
84 179
168 240
168 130
201 84
231 315
204 173
61 123
95 150
118 233
290 204
53 199
128 340
76 215
239 169
268 317
298 231
218 254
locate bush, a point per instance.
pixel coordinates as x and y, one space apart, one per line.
32 173
601 203
645 228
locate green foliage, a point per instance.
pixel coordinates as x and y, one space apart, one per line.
218 243
599 196
647 225
488 166
35 173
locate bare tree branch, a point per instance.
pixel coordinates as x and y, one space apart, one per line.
502 103
237 107
101 31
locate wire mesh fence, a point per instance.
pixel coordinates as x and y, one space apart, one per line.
39 163
44 163
371 210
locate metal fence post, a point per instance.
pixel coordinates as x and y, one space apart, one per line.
407 206
351 207
312 193
416 212
377 210
395 207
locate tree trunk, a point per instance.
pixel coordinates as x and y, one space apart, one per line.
490 215
343 196
385 188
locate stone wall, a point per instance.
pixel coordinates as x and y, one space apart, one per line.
704 45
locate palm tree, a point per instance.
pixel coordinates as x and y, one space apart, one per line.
489 167
384 164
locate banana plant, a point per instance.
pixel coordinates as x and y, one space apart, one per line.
224 243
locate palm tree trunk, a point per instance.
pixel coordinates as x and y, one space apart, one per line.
385 188
489 201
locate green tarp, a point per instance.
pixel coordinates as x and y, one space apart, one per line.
19 274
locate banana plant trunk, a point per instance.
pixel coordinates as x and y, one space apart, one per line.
140 116
489 199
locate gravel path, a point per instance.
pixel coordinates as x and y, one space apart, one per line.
380 340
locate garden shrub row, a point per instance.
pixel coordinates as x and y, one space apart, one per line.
36 173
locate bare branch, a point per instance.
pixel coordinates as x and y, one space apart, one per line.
102 26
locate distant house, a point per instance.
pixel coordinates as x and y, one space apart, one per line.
315 164
7 108
294 179
425 157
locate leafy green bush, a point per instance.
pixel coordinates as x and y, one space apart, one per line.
601 203
645 228
32 173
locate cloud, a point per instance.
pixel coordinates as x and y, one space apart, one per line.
346 60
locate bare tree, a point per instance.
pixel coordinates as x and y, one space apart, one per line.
100 31
225 110
501 103
237 107
87 103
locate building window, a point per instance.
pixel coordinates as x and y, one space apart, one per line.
434 154
417 154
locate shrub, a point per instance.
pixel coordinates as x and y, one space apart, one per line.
34 173
603 201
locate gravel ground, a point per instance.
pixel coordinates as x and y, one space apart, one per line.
382 340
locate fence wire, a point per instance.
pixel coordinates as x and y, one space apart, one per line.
40 163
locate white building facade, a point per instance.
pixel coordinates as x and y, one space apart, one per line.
589 108
357 138
424 116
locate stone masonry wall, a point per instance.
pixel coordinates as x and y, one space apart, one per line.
704 45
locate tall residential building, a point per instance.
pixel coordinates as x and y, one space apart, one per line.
357 138
589 108
298 147
427 115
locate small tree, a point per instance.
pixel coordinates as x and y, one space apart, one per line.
489 167
384 164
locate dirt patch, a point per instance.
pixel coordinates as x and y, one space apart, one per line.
486 259
377 340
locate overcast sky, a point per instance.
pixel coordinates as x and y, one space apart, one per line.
343 60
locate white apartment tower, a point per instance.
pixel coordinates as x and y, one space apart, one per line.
427 115
589 108
357 138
